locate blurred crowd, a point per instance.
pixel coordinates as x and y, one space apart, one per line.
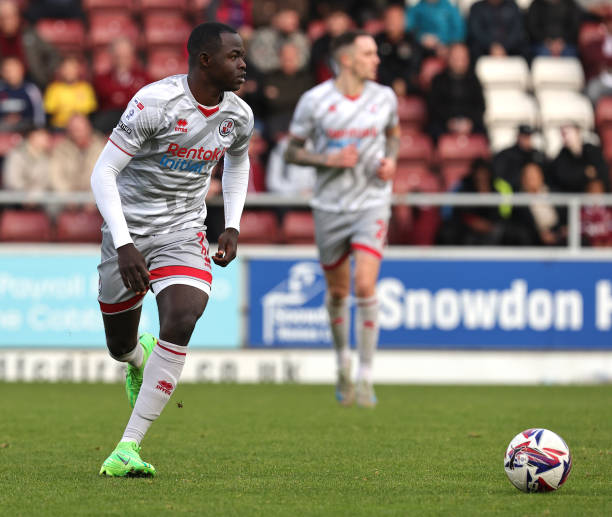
69 67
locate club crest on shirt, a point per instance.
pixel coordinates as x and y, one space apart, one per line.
226 127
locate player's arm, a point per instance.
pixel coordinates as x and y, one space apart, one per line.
235 182
132 265
298 154
388 164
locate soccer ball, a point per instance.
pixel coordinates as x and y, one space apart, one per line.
537 460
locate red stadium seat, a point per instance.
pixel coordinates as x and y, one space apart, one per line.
147 6
426 223
452 174
102 61
25 226
415 178
591 32
8 141
110 5
78 226
457 152
259 227
165 29
400 225
430 67
603 113
415 147
412 112
606 144
66 35
165 62
298 228
105 27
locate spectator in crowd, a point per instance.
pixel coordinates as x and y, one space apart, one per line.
455 102
265 45
116 87
601 85
596 53
265 10
495 28
26 167
282 89
577 163
288 178
508 163
235 13
74 157
69 94
321 66
436 24
400 53
477 225
541 222
20 101
17 39
258 147
553 27
53 9
596 218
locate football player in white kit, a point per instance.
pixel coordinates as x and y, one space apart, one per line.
150 182
353 125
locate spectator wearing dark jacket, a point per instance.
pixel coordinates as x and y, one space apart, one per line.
39 58
553 27
577 163
400 53
509 162
495 27
21 104
455 102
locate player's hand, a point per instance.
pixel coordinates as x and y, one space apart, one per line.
228 246
386 169
346 157
133 268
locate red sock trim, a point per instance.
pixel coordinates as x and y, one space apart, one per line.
169 350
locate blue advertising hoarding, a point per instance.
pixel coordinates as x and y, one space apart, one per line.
493 304
50 300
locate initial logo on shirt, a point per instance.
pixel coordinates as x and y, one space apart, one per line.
181 125
226 127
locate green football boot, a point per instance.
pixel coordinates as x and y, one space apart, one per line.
125 461
133 378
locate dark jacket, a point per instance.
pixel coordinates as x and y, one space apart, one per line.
502 23
399 60
570 173
553 19
508 163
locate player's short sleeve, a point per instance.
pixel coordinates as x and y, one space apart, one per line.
302 124
393 116
243 137
139 122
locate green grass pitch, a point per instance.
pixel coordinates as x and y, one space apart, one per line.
273 450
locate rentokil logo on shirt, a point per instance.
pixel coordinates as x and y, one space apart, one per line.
193 158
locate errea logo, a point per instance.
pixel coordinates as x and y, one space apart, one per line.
181 125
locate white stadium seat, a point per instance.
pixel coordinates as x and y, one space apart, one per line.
564 107
554 142
524 4
465 6
503 72
510 108
557 73
501 138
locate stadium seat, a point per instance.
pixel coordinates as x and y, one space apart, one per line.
105 27
298 227
400 225
165 29
148 6
563 107
78 226
25 226
66 35
590 32
165 62
412 112
603 113
510 108
259 227
425 226
503 72
524 4
101 61
606 143
430 67
501 138
415 178
109 5
415 148
8 141
457 152
465 6
557 73
553 141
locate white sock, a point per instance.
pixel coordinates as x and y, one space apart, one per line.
366 331
340 320
134 357
160 377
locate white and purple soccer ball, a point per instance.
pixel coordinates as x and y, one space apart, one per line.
537 460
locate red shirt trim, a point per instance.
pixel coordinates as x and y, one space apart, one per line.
208 112
166 271
118 147
113 308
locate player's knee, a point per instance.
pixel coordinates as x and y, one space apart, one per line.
120 345
179 324
364 289
337 292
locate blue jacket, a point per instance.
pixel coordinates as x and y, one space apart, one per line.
440 18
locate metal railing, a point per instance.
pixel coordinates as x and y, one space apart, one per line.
573 202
